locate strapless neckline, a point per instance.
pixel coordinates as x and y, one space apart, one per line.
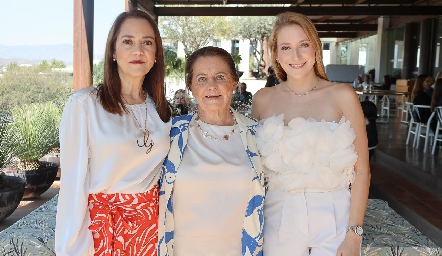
306 153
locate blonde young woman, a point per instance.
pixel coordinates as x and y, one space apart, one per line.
312 140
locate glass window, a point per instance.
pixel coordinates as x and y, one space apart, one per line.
438 44
362 59
344 53
326 54
326 46
235 46
216 43
395 51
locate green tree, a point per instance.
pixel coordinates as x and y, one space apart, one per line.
98 72
57 64
193 32
44 66
174 64
25 85
256 29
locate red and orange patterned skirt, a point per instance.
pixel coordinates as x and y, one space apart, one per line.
124 224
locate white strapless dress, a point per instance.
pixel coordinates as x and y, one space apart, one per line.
309 165
306 154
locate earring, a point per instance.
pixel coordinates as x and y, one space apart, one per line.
113 59
155 61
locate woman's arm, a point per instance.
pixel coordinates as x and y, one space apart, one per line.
351 109
72 236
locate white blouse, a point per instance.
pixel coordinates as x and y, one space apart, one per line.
210 193
99 154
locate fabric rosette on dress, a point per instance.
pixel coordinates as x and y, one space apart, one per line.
307 153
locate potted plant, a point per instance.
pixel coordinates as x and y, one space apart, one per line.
33 133
11 188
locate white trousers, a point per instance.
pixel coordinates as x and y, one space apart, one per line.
305 223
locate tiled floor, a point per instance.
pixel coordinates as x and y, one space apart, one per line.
27 206
389 179
424 203
408 179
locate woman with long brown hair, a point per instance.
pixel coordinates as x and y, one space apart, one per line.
312 140
113 139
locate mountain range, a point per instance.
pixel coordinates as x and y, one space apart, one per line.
34 54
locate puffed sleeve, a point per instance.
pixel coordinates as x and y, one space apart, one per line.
72 236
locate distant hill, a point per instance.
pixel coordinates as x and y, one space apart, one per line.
34 54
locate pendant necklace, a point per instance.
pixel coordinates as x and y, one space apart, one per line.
146 134
207 135
305 93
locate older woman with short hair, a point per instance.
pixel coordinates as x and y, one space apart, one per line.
212 186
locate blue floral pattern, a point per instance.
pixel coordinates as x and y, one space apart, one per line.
252 234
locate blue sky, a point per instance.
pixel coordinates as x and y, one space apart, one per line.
50 22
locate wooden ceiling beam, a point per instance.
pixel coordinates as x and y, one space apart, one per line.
312 11
325 18
294 2
336 21
338 34
346 27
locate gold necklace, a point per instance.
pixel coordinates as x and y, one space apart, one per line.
305 93
146 133
207 135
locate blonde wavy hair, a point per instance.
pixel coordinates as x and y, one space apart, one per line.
184 93
293 18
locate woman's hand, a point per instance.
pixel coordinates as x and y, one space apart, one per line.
351 245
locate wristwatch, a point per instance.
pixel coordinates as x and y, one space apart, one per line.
357 229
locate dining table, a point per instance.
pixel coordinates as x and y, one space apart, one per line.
374 94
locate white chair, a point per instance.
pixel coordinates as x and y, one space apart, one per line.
385 106
413 122
438 133
400 102
405 109
423 129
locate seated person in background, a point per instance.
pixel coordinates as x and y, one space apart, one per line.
182 104
370 114
421 95
386 85
438 75
367 85
242 95
436 100
358 82
272 80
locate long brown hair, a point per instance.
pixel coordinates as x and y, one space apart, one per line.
437 94
209 51
293 18
109 92
418 85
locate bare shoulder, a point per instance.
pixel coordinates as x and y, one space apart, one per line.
340 90
263 93
260 101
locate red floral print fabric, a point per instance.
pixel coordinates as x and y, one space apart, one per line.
124 224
